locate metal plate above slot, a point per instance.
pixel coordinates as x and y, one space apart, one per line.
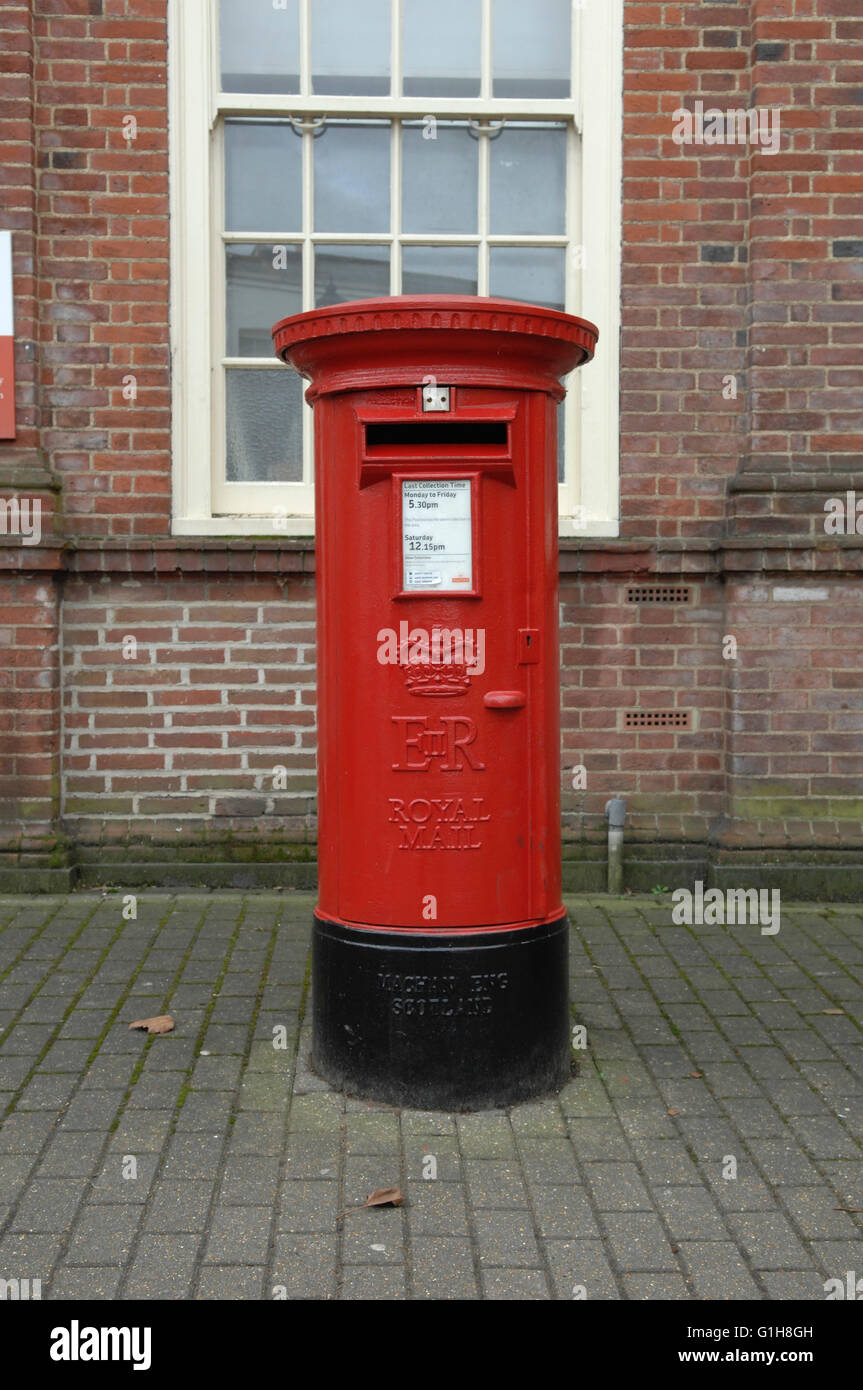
435 397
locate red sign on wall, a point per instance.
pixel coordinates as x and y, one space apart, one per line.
7 340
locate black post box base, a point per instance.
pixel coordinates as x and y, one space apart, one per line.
442 1020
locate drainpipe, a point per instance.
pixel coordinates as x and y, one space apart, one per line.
615 811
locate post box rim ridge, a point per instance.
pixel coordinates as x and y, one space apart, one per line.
436 312
465 340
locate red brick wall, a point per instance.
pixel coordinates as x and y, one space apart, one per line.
189 728
684 317
795 771
618 657
29 711
741 262
736 263
104 260
18 181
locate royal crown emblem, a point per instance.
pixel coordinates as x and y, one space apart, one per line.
426 678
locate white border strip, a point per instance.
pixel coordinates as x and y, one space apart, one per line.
7 312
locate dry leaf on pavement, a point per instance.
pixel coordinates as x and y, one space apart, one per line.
162 1024
381 1197
385 1197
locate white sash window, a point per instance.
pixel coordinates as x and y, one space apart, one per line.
328 150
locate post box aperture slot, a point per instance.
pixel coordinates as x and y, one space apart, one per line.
485 442
436 535
421 435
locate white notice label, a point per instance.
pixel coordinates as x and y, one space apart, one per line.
436 535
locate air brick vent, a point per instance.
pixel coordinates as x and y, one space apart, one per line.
656 719
657 593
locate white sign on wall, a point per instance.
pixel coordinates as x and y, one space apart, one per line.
7 340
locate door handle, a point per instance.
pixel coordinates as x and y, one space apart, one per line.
505 699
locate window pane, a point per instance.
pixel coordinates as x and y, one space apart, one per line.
351 47
264 425
439 178
265 284
532 48
439 270
259 45
262 178
534 273
441 48
352 177
528 181
350 272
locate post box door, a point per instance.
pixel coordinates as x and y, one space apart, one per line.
438 763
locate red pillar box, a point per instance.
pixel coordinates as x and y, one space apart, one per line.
440 946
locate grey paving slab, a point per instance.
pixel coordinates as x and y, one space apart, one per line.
443 1268
304 1266
580 1270
27 1256
603 1138
486 1136
363 1176
118 1180
374 1133
208 1164
548 1161
249 1181
437 1209
637 1241
375 1235
164 1267
718 1270
97 1282
231 1282
46 1091
514 1285
373 1283
665 1161
506 1238
494 1183
793 1285
649 1287
142 1131
768 1240
70 1156
49 1204
616 1186
564 1213
691 1214
103 1236
238 1235
309 1205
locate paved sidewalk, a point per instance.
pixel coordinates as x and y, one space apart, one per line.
207 1163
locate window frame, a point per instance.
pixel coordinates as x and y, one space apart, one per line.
589 505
